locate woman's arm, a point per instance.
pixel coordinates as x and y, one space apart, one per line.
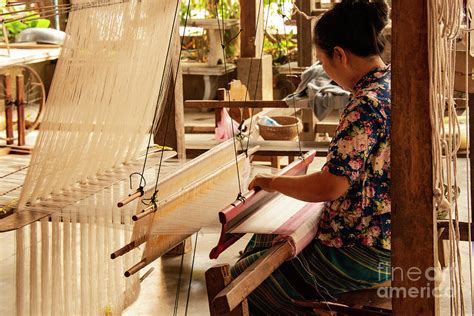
315 187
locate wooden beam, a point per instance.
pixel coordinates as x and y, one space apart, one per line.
463 230
413 221
215 104
251 278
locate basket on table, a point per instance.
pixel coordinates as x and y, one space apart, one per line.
290 128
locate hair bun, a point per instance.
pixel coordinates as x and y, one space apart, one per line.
377 9
354 24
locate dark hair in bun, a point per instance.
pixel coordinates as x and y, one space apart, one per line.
355 25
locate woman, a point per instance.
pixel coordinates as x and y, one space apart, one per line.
352 248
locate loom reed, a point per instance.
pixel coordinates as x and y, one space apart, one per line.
97 78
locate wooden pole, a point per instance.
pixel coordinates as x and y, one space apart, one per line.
20 104
7 84
248 24
413 220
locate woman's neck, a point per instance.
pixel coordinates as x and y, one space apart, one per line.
363 65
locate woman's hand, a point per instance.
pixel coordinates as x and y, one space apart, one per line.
262 181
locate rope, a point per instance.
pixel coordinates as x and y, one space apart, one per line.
155 114
444 29
142 182
258 72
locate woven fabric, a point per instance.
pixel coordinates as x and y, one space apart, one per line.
318 272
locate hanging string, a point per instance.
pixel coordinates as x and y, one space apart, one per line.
444 26
178 287
175 79
153 198
468 154
155 113
191 275
223 46
283 16
250 73
259 69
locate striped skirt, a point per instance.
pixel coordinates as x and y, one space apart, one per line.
317 273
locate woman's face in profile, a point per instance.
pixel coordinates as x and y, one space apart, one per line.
330 66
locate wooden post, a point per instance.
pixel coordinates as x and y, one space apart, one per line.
413 220
217 278
251 28
20 107
254 70
306 55
7 84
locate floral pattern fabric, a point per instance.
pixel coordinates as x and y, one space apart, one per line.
360 151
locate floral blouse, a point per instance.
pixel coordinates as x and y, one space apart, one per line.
360 151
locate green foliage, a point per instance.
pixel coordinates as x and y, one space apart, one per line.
14 28
281 46
225 9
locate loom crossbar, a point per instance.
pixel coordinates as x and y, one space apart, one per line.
235 213
201 176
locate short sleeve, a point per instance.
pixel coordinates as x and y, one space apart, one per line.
350 148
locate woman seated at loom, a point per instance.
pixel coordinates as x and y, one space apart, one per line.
351 250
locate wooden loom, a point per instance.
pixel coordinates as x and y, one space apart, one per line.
256 214
64 222
412 186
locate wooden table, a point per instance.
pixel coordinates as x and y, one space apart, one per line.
27 56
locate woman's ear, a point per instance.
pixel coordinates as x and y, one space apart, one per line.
340 55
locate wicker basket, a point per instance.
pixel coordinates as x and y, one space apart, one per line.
289 131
